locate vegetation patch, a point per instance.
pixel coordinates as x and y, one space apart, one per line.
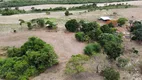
92 49
16 3
75 64
30 59
110 74
136 30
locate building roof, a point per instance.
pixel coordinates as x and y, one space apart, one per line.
105 18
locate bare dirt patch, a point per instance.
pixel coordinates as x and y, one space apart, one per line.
65 45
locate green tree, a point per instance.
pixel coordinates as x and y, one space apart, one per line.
67 13
110 74
72 25
112 44
138 34
14 52
106 37
30 59
121 21
92 49
113 50
136 30
75 64
21 22
94 34
87 27
29 24
107 29
41 22
80 36
11 76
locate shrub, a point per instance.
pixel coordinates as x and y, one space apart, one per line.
29 25
87 27
8 11
106 29
94 34
14 52
136 30
80 36
121 21
67 13
92 49
112 44
113 50
135 51
75 64
51 25
47 12
110 74
30 59
72 25
121 62
41 22
106 37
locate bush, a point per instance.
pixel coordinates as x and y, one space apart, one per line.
106 37
87 27
121 21
67 13
41 22
107 29
112 45
8 11
80 36
47 12
30 59
94 34
14 52
92 49
72 25
29 25
110 74
51 25
121 62
75 64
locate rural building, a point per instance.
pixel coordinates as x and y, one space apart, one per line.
105 18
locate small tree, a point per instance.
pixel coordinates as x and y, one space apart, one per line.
92 49
29 24
121 21
87 27
21 22
110 74
72 25
67 13
106 29
122 62
80 36
41 22
94 34
113 50
75 64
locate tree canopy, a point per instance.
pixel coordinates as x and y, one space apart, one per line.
30 59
